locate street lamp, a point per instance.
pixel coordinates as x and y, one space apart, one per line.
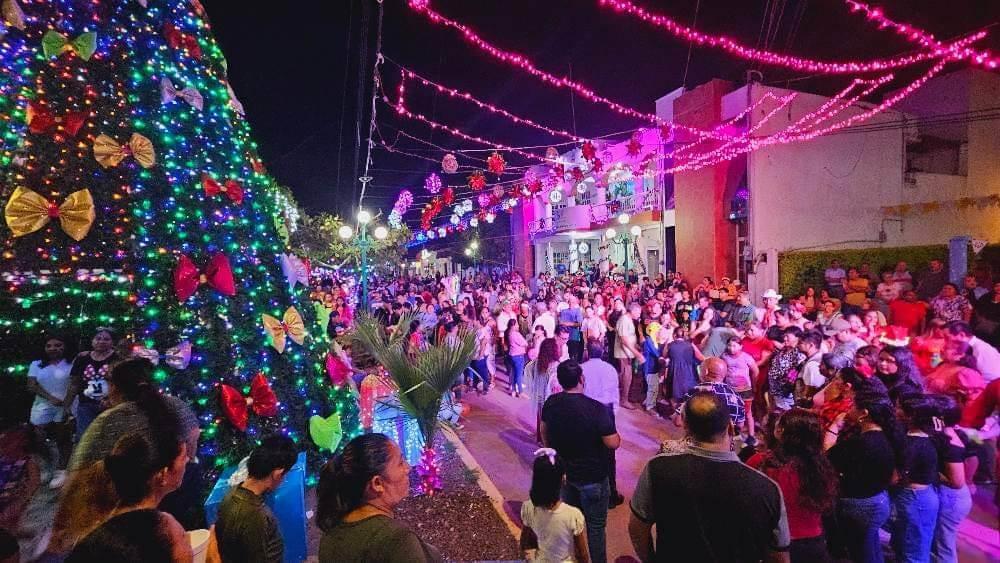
624 239
364 244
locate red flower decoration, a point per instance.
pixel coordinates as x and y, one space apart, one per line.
588 150
448 197
577 174
597 165
495 163
477 181
634 146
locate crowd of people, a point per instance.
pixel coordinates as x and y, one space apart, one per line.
810 423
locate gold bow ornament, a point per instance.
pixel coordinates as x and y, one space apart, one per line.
108 152
290 326
27 211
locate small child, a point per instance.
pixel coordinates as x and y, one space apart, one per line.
553 531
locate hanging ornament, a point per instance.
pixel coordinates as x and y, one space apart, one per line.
634 145
551 153
290 326
484 200
449 163
473 222
559 171
13 16
576 174
495 163
27 211
403 202
442 232
455 219
588 150
490 217
448 196
433 183
555 196
262 401
477 181
327 432
581 188
666 131
597 166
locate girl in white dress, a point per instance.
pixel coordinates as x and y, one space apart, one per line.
554 532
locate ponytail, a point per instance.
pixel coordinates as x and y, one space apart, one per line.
133 378
344 479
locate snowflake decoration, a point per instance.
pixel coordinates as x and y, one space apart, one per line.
433 183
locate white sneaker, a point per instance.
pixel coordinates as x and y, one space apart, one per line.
58 479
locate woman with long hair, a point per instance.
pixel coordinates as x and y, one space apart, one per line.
954 496
862 445
538 373
137 407
48 379
355 502
915 498
517 350
807 480
899 372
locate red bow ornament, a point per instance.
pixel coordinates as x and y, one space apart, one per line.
262 400
218 274
231 188
179 40
43 120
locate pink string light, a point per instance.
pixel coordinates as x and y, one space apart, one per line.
525 64
935 49
488 107
786 136
916 35
400 108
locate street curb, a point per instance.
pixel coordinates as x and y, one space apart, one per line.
484 481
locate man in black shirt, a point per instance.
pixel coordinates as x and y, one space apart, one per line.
707 505
582 431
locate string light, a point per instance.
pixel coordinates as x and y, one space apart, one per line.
401 110
935 50
525 64
406 73
916 35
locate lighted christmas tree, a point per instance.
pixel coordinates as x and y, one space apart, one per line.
135 198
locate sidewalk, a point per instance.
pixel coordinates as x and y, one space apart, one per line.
500 434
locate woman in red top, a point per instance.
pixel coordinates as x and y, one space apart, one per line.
807 480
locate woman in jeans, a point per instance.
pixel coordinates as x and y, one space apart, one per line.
861 445
955 499
807 480
517 349
915 498
88 379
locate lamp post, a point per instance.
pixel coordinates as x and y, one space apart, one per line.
364 243
624 239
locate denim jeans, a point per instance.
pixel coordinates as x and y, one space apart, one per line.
860 520
916 512
516 373
86 411
652 386
482 371
955 505
592 499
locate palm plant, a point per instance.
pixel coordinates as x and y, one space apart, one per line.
423 378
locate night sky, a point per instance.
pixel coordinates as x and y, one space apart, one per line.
295 66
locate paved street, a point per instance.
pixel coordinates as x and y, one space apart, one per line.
500 433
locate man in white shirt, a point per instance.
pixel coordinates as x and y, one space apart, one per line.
601 385
627 349
545 319
987 357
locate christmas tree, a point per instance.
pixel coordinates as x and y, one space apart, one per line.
135 198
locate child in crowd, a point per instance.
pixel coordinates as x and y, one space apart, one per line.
553 530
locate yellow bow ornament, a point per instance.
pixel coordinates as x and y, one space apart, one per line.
27 212
290 326
108 152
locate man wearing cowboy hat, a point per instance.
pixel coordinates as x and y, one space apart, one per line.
766 314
